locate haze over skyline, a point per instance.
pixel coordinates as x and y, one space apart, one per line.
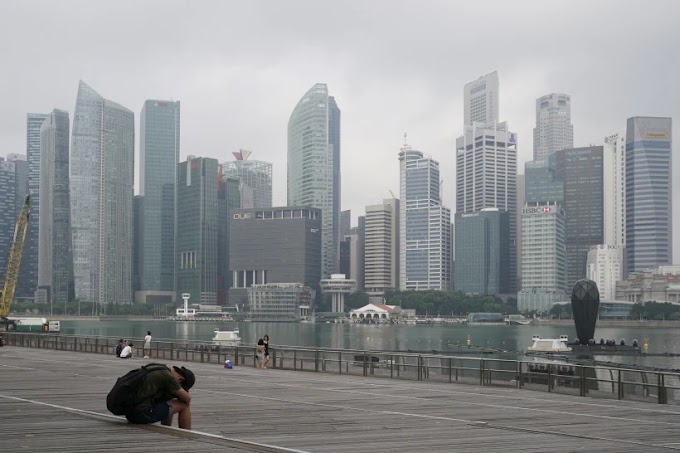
393 66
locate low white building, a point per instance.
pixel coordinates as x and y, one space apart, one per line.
376 311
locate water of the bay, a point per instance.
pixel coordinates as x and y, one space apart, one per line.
399 337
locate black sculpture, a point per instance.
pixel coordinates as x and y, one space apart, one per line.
585 301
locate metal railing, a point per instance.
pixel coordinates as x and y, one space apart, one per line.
540 374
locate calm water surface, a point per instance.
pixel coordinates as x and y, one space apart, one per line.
441 338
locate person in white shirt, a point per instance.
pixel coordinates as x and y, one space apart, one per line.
126 353
147 345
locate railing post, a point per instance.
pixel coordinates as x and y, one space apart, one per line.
340 363
391 366
449 369
620 386
481 372
172 350
420 368
661 389
295 360
582 381
316 360
365 367
520 377
550 382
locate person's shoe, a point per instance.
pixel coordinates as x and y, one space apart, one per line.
146 356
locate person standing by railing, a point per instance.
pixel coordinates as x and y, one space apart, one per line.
147 345
265 339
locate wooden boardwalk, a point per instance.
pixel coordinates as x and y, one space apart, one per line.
55 401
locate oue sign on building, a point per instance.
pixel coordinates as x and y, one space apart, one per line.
243 216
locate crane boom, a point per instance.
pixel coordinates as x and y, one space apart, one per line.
14 261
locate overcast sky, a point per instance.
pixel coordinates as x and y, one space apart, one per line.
393 66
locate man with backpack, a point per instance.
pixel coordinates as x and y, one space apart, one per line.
153 393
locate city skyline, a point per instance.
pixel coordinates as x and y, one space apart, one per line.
412 90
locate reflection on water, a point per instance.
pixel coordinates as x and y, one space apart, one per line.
440 338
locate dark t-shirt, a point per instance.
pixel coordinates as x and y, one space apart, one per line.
160 385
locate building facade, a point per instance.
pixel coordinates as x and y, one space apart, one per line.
553 131
482 248
381 248
425 225
486 177
28 273
13 189
481 100
255 174
55 259
314 165
102 188
604 266
197 229
229 196
159 148
652 284
614 181
649 206
581 170
279 301
544 257
259 256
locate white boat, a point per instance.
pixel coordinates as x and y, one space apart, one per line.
548 345
226 337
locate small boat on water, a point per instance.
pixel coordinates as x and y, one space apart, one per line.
226 337
549 345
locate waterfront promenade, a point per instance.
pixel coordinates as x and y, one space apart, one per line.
55 401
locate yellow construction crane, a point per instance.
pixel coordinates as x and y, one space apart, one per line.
14 261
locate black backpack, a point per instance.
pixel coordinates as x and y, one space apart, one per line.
123 396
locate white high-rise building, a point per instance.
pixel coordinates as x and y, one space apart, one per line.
604 266
614 181
481 100
424 225
544 257
553 131
381 247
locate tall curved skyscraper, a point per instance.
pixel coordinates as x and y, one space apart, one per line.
314 166
102 184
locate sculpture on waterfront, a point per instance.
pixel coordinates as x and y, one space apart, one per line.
585 302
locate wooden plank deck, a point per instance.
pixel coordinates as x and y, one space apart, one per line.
55 401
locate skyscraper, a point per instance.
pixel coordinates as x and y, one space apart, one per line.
28 274
256 174
544 257
482 250
486 177
102 187
649 207
159 147
553 130
481 100
581 171
314 166
197 229
55 260
381 248
13 189
229 196
425 225
345 224
614 181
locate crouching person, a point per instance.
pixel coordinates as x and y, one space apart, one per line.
163 394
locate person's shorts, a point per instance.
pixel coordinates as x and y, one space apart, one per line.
153 414
259 355
147 347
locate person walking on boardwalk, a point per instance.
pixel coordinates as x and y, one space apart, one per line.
266 351
164 393
259 353
147 345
